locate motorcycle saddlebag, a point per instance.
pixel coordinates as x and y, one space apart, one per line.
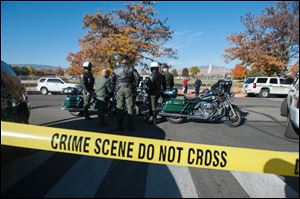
170 93
174 105
73 102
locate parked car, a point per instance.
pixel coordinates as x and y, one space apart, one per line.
266 86
54 85
14 100
290 109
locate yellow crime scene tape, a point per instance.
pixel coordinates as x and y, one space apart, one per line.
149 150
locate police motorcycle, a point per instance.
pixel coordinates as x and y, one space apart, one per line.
74 102
142 95
213 105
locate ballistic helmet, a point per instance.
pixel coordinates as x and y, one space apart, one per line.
154 65
165 66
87 64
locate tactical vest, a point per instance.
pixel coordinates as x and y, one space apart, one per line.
124 75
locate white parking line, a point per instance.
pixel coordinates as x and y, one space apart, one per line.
169 181
264 185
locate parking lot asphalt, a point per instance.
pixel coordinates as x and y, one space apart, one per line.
263 128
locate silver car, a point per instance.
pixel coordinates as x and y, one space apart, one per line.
290 109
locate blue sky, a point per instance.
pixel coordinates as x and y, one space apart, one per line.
46 32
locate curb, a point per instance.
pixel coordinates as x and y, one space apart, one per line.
32 90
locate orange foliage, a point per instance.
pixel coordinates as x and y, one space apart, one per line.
294 70
134 30
239 71
269 41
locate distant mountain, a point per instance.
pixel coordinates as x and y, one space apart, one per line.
36 66
215 71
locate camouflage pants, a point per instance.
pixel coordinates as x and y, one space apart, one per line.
87 97
125 101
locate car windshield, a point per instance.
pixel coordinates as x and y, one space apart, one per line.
249 81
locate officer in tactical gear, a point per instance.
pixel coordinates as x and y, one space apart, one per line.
103 89
126 78
168 76
197 85
157 84
87 81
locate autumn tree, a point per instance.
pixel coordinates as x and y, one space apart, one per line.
239 71
135 30
194 70
294 69
59 72
185 72
76 60
174 72
270 41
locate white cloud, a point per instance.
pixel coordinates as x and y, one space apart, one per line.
184 38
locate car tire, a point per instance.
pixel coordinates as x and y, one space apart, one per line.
265 93
291 132
284 108
251 95
44 91
22 118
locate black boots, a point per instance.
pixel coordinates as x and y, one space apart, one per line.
86 114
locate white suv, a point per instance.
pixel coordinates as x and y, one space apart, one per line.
265 86
53 85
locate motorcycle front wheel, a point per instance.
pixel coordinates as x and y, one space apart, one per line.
77 114
175 120
234 121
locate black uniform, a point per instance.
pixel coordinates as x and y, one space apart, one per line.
169 79
87 81
157 84
198 84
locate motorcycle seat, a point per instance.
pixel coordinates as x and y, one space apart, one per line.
191 99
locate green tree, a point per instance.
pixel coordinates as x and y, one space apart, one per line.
59 72
174 72
21 71
185 72
194 70
32 71
256 73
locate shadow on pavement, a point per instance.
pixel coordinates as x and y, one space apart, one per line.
291 183
128 178
122 179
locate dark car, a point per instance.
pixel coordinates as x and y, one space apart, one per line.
14 100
